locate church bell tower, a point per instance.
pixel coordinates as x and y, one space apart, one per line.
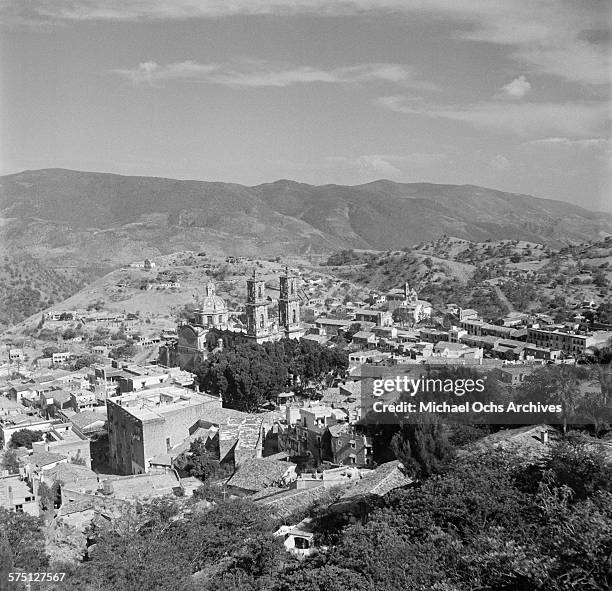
289 306
256 309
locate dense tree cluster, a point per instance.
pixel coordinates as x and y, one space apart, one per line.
248 375
25 438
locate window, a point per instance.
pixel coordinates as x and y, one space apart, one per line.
261 321
294 317
352 444
168 443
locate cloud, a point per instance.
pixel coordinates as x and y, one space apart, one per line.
557 37
595 142
576 119
386 165
252 73
516 89
500 162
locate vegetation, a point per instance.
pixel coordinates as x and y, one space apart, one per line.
25 438
423 448
9 461
248 375
28 286
487 522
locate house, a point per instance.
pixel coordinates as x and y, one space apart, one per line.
299 539
67 440
9 407
139 487
433 335
13 423
72 477
344 445
302 435
32 466
16 355
467 314
89 421
55 400
148 424
513 375
331 326
256 474
378 317
61 357
15 495
530 443
373 485
571 343
365 339
456 351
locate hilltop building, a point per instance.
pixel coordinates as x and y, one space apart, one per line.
194 338
259 327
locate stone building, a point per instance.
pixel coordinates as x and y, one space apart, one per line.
142 425
194 337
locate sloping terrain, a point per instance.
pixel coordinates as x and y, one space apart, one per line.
58 214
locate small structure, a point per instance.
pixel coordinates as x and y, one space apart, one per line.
299 539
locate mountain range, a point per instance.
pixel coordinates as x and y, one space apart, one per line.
76 217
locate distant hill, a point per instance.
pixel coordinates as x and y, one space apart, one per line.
65 215
27 286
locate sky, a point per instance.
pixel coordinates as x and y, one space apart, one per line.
507 94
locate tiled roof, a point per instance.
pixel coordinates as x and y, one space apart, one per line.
44 458
258 473
73 476
142 486
284 502
525 441
60 396
86 418
379 482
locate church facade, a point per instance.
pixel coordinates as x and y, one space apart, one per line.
260 328
193 337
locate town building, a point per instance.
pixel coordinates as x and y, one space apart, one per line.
144 424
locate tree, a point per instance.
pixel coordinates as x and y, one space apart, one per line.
85 361
198 461
579 463
247 375
69 333
10 462
22 534
49 497
555 384
25 438
49 351
423 448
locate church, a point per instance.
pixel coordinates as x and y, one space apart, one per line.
193 337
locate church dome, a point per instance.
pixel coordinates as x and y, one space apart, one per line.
212 303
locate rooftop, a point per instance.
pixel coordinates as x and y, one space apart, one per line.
258 473
141 486
43 458
19 489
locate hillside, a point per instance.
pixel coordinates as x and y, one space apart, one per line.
27 286
79 217
494 277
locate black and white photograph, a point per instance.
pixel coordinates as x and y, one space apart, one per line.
305 295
